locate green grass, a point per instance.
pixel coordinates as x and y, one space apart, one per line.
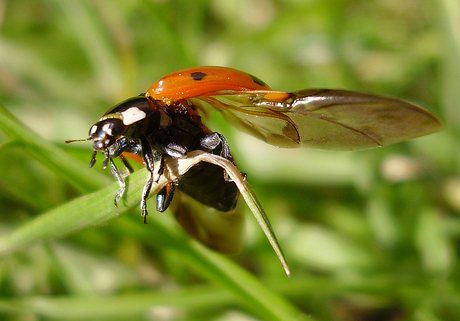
360 245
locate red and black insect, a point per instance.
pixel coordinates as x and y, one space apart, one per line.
165 122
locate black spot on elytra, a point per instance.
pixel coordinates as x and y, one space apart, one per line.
198 75
258 80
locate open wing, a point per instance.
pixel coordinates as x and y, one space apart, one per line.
322 118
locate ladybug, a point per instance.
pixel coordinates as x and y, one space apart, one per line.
165 122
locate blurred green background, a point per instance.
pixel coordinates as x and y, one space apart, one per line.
370 235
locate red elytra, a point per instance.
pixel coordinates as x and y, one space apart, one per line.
203 81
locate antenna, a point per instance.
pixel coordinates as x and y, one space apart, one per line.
77 140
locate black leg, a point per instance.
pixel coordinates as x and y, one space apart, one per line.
175 150
116 150
161 168
126 164
165 196
121 181
210 142
150 156
120 146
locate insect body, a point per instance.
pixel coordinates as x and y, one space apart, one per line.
165 122
155 130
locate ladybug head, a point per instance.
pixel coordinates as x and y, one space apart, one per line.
114 124
105 132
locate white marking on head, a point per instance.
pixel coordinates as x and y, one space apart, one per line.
107 128
92 130
132 115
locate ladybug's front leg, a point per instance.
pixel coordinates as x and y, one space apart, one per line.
121 181
116 150
150 157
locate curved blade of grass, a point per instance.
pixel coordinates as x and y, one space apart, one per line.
249 197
